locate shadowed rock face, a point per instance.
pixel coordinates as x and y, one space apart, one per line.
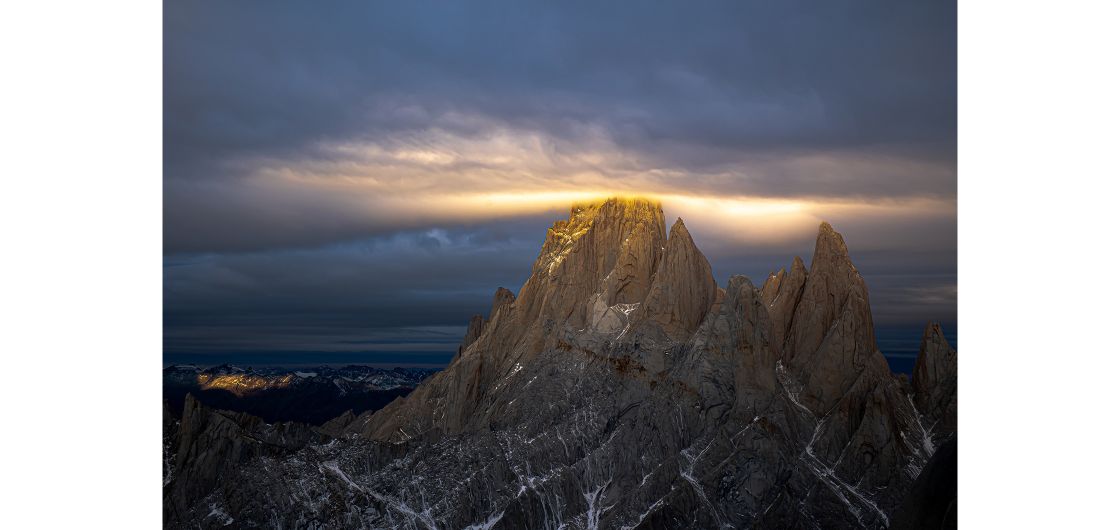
474 330
502 298
931 503
622 388
212 443
781 293
935 381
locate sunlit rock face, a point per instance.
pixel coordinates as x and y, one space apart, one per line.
623 388
276 394
242 384
595 265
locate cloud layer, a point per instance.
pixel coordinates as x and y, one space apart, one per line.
380 165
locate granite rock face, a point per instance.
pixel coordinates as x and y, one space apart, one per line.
474 330
621 388
831 340
781 293
604 256
683 288
935 381
210 444
931 503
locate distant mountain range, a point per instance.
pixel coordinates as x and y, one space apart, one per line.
309 395
621 387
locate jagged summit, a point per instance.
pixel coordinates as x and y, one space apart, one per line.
614 221
610 274
603 255
622 388
831 247
781 294
935 380
502 298
831 337
683 288
623 214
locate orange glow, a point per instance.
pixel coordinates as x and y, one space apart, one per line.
440 177
242 385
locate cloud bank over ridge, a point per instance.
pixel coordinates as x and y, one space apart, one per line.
333 165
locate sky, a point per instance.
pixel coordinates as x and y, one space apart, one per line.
353 180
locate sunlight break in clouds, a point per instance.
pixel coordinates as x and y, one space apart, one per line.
441 177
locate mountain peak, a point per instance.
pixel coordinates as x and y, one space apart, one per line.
829 244
683 289
620 339
935 380
680 229
502 298
781 294
830 338
936 359
604 254
623 213
798 264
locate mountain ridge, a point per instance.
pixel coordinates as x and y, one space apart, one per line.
623 388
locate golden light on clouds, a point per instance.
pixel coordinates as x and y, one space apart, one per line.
438 177
739 219
733 209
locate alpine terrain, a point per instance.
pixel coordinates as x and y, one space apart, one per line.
621 387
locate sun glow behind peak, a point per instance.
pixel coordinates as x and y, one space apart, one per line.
753 218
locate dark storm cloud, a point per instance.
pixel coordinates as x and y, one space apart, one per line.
244 77
408 291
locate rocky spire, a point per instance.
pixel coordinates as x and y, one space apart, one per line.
604 254
502 298
831 284
770 287
474 330
937 360
683 290
780 295
831 339
935 379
